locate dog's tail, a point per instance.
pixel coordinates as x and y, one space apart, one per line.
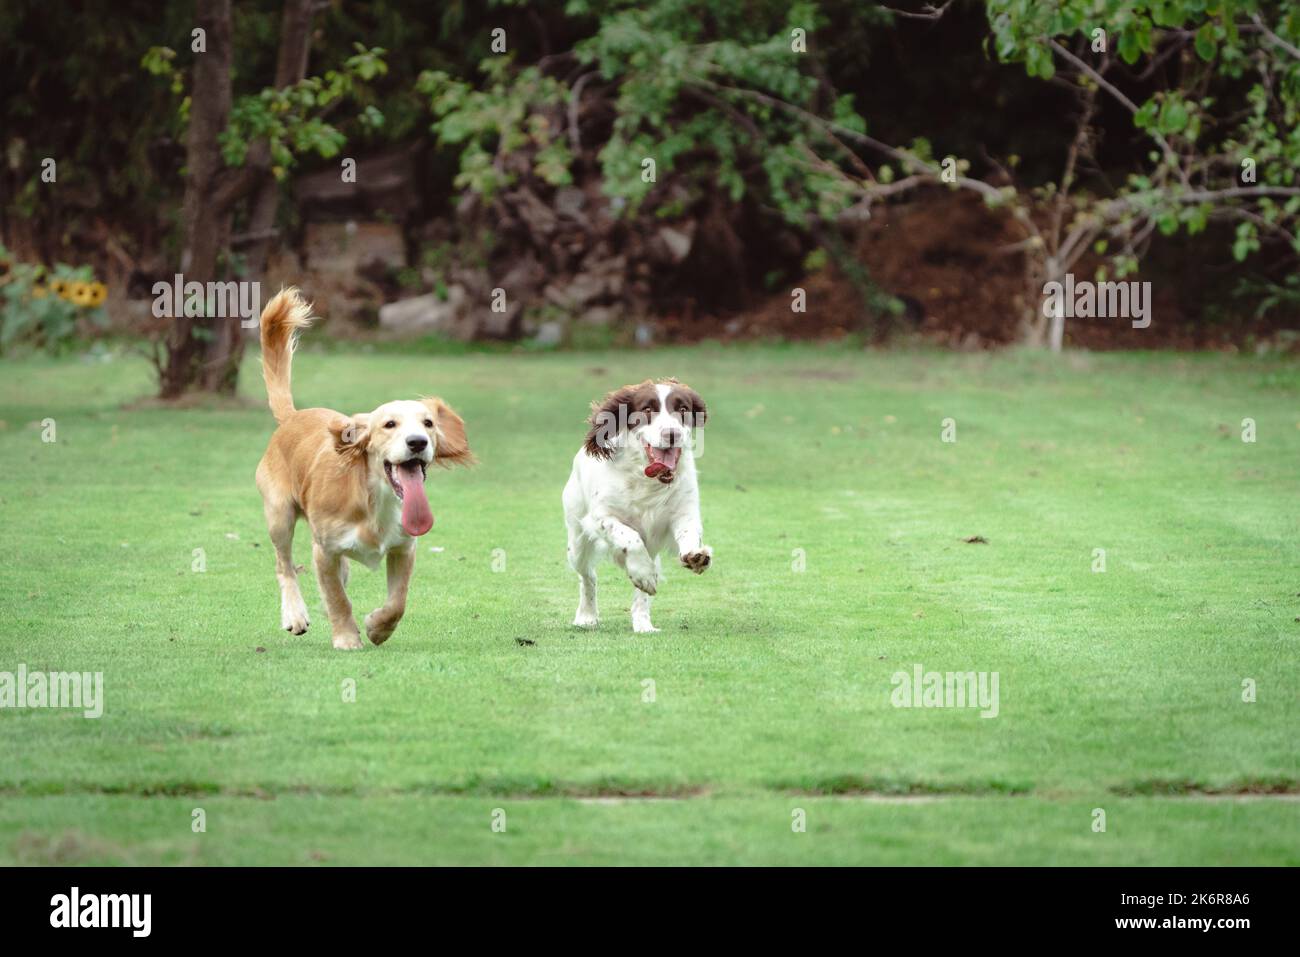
281 319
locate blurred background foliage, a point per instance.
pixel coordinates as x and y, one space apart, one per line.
792 144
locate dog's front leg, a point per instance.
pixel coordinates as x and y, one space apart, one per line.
628 548
330 576
381 622
688 532
641 609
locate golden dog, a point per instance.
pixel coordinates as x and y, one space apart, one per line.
358 480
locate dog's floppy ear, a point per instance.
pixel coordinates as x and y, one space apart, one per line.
608 418
351 435
699 411
452 446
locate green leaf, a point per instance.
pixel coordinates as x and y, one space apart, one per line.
1207 42
1173 116
1130 47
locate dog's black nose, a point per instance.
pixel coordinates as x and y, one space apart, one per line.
417 443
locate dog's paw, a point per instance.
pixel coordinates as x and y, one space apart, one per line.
378 628
643 627
698 561
585 619
643 573
293 612
347 641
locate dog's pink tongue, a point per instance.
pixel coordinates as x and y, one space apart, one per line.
417 518
661 460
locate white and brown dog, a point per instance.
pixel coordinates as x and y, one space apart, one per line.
358 480
633 492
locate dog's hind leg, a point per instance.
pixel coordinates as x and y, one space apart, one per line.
281 516
329 574
582 559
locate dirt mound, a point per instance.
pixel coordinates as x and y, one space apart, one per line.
951 260
946 254
935 253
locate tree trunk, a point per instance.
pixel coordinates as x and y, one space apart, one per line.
1056 328
221 373
207 224
204 352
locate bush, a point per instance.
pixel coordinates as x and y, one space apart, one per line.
41 306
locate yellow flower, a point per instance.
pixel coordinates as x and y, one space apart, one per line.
59 287
98 293
39 292
79 293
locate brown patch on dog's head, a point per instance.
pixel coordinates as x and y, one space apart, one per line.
452 446
351 435
613 414
686 404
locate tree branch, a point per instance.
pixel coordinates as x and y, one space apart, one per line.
1118 94
1277 41
928 12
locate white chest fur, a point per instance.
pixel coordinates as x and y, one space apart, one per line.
370 542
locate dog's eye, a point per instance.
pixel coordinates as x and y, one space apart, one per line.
390 424
428 423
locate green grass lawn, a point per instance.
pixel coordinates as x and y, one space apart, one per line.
1119 690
